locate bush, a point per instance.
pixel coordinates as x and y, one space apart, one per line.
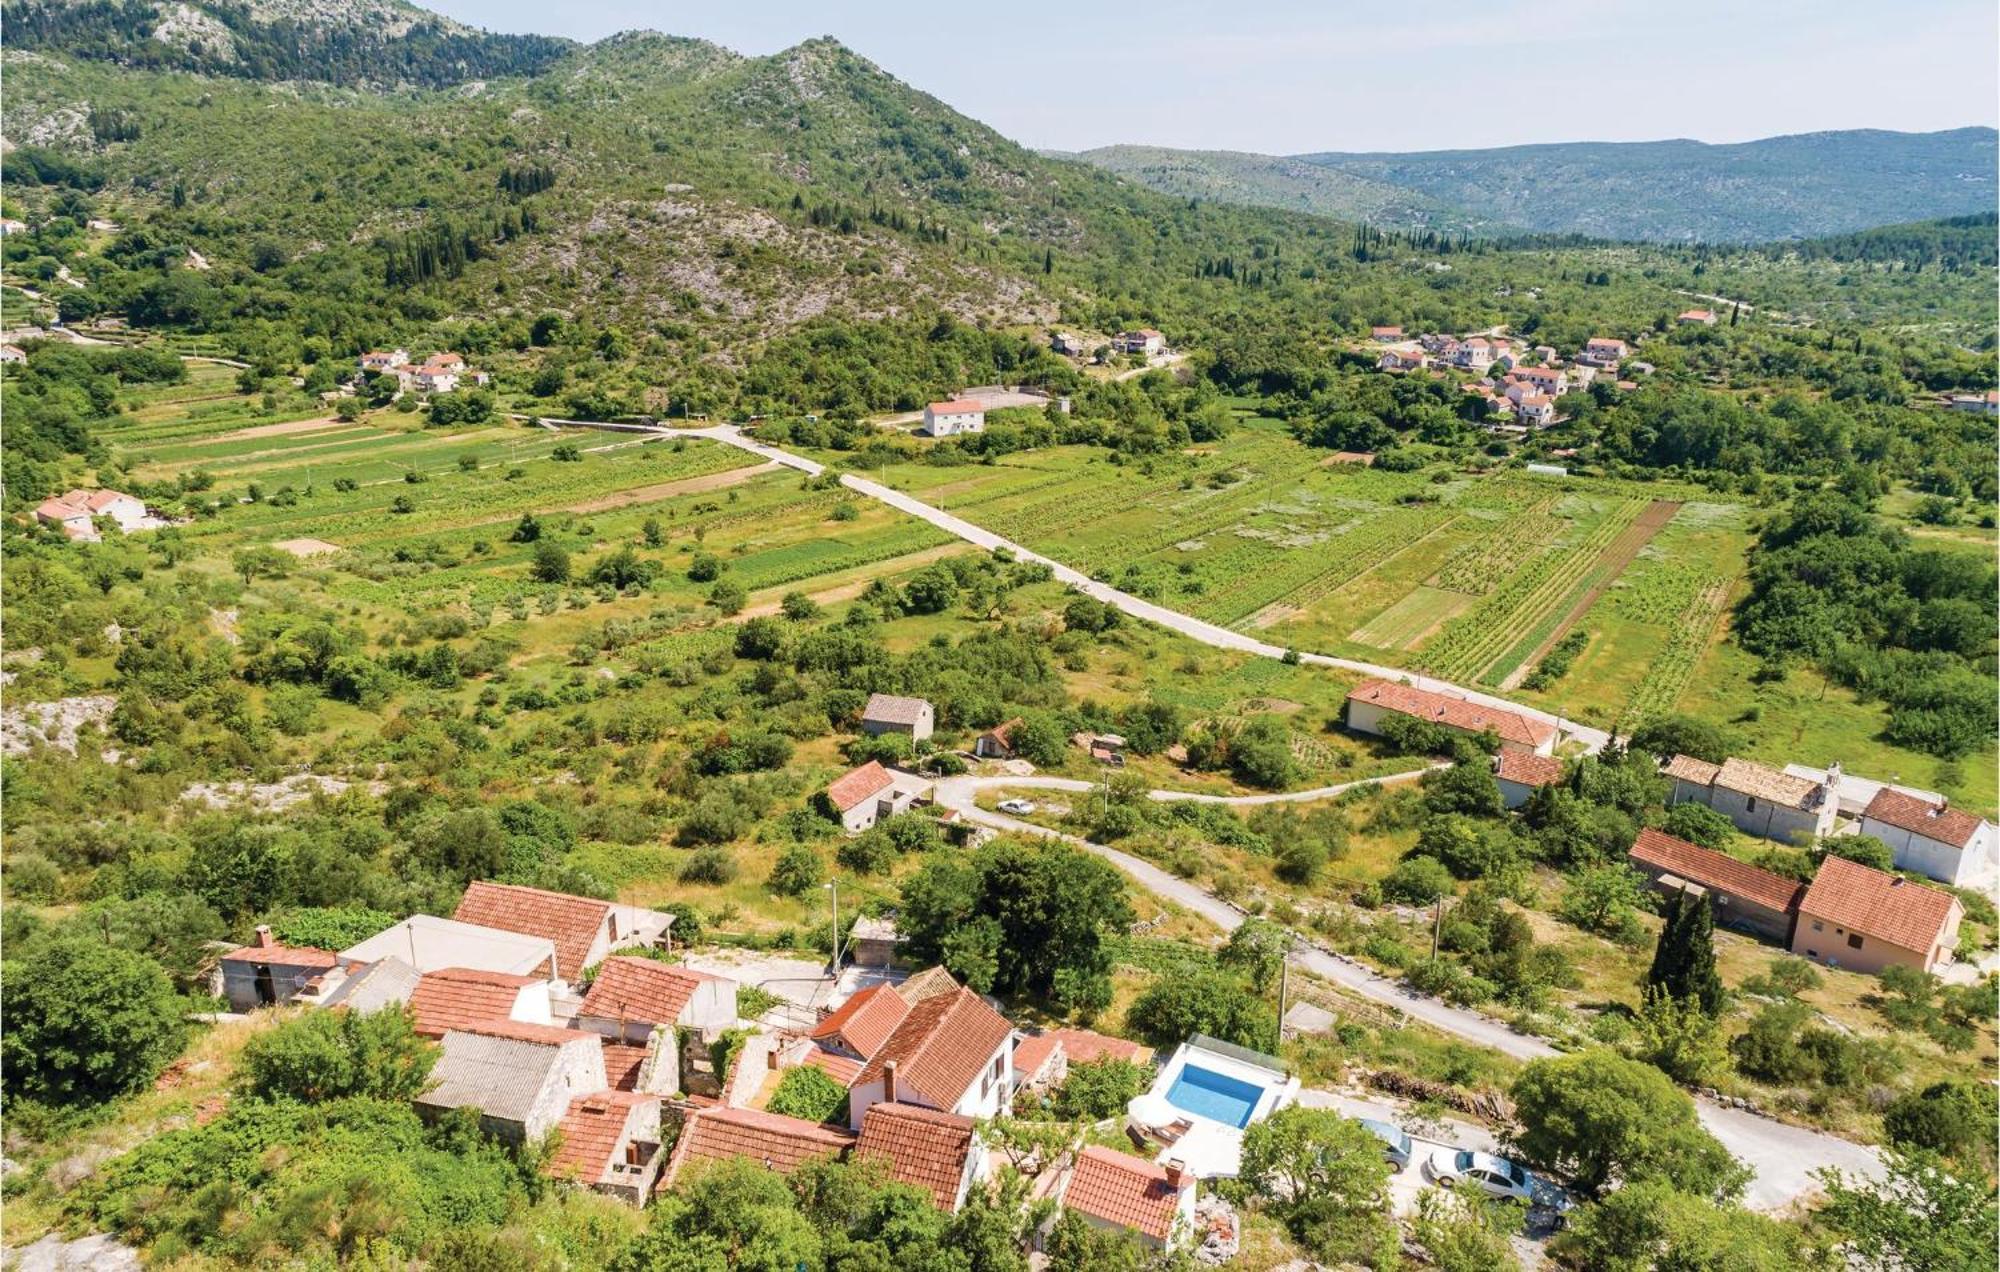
711 865
1098 1089
1947 1117
332 1055
808 1093
1699 824
1417 881
86 1021
797 871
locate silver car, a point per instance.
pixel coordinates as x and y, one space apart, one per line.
1494 1176
1396 1145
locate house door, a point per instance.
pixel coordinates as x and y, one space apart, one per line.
267 988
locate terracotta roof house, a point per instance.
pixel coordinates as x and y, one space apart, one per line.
383 359
265 973
1759 799
1696 317
997 743
938 1152
1742 895
624 1066
948 419
951 1052
1931 838
888 713
1521 773
520 1077
76 511
1387 334
1857 917
778 1143
841 1069
13 353
859 1026
1144 340
1370 700
861 797
583 929
1549 380
1402 360
460 997
1043 1060
631 997
1603 351
1117 1190
611 1144
427 943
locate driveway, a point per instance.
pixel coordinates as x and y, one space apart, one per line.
1782 1156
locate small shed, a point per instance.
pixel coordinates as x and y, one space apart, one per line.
265 973
873 941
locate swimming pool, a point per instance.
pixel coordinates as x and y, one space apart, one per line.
1216 1096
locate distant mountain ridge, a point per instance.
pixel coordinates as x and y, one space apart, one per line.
1801 186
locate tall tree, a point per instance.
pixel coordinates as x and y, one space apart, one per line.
1684 960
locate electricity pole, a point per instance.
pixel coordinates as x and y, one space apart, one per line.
833 896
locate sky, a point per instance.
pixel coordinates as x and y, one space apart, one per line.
1292 76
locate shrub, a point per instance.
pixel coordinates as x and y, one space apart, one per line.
1417 881
711 865
808 1093
797 871
86 1021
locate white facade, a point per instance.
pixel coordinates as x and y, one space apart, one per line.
1970 866
948 422
990 1094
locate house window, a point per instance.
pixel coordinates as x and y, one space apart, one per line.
1818 926
1854 940
1750 804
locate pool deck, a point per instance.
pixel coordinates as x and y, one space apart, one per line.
1211 1148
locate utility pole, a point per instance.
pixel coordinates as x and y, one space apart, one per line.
1437 928
1284 987
833 895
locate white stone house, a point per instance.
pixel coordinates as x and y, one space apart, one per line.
1931 838
888 713
951 1052
522 1078
1759 799
866 795
948 419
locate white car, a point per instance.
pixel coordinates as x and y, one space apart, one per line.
1494 1176
1018 807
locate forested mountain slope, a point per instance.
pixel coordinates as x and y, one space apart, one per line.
1800 186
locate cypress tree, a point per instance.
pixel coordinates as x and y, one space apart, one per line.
1684 960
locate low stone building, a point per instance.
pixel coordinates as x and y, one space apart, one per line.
611 1144
265 973
1520 774
1742 895
1931 838
1759 799
522 1078
889 713
1371 700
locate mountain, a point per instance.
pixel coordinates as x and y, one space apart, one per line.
332 41
1803 186
1230 176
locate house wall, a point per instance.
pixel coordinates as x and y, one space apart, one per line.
926 720
578 1070
953 422
1755 816
634 1184
860 817
632 927
713 1007
1730 910
1821 940
1934 859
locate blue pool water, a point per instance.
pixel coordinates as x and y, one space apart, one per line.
1215 1096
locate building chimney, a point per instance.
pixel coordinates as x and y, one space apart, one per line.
1176 1174
265 940
889 1082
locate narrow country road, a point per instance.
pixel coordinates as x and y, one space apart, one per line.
1187 625
1784 1157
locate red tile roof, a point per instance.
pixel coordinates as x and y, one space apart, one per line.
641 989
1939 822
1716 871
1526 769
570 923
283 956
957 406
772 1141
941 1047
592 1131
1120 1189
1457 713
458 997
859 785
522 1031
924 984
1079 1046
1887 907
621 1065
838 1067
865 1021
922 1147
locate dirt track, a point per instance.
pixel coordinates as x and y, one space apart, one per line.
668 489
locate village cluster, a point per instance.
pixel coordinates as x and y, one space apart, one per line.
1851 916
1522 385
441 372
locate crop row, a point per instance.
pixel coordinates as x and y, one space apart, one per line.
1308 574
796 562
1472 641
1667 676
1478 566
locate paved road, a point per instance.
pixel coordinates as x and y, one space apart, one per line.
1782 1156
1207 633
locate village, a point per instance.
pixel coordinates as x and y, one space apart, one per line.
1521 385
646 1057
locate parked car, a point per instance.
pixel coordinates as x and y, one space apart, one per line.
1396 1145
1018 807
1495 1176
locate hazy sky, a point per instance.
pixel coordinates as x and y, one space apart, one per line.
1287 76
